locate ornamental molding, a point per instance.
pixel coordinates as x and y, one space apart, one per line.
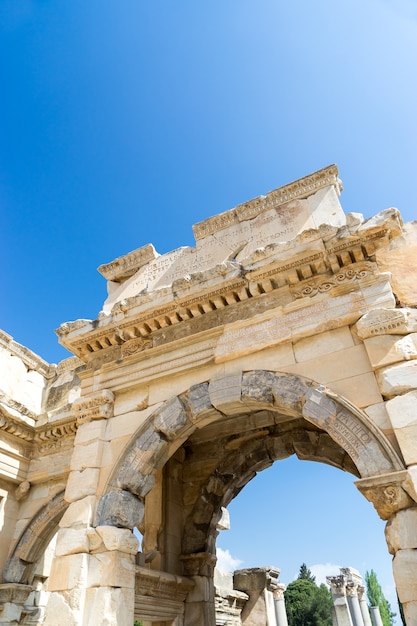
296 190
125 266
345 258
96 406
29 358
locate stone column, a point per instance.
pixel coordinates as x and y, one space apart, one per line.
200 602
12 599
376 616
353 603
364 606
279 601
338 587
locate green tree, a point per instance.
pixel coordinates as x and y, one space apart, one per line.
306 603
305 574
377 598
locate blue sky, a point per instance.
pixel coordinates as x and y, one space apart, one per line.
123 123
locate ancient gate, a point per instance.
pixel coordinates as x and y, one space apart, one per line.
288 329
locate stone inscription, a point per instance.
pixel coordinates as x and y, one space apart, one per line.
288 325
349 433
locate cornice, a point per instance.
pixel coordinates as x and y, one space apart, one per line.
29 358
305 270
296 190
125 266
49 433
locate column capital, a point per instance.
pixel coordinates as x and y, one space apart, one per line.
198 564
387 492
279 590
337 585
351 589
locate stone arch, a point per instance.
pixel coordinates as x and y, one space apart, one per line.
34 541
284 396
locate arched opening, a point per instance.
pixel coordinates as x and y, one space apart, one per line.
199 450
305 512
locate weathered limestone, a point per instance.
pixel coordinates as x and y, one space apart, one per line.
289 328
260 585
338 588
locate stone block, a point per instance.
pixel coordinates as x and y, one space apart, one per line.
81 484
410 482
388 349
402 410
410 612
71 541
79 513
396 260
171 418
109 606
90 431
407 440
395 380
59 612
401 530
68 572
335 366
404 567
379 415
87 456
360 390
323 343
121 509
225 394
120 539
111 569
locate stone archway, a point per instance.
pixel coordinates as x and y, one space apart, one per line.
234 426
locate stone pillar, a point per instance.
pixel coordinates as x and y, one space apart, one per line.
279 601
338 587
200 602
376 616
12 599
353 603
394 497
259 583
364 606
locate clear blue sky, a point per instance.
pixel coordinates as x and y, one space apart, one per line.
124 123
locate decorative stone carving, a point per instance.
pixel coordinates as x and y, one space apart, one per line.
386 493
95 406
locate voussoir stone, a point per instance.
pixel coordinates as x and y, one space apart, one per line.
171 418
121 509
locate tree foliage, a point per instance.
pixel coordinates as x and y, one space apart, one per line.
376 598
305 574
306 603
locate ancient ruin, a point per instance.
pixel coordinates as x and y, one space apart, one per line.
290 328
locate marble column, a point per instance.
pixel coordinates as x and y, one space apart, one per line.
376 616
338 588
364 606
353 603
279 601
